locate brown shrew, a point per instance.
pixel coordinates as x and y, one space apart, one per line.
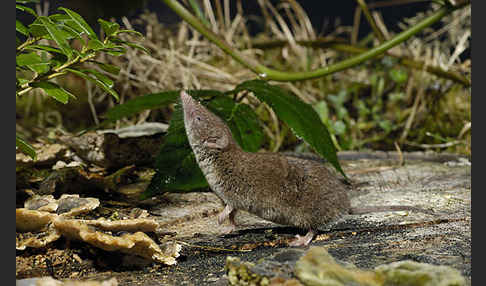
282 189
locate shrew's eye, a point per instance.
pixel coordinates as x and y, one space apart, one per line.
198 118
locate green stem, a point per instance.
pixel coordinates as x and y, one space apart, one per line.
27 43
25 90
358 59
272 74
340 45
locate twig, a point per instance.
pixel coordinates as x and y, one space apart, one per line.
379 35
381 25
356 22
90 103
464 129
411 117
428 146
400 154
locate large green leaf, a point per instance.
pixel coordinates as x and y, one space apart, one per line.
298 115
176 167
54 90
25 147
57 35
103 85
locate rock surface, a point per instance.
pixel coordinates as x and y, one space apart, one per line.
441 183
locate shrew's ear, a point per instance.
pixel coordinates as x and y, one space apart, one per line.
220 143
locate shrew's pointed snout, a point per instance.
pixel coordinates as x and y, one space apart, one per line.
186 98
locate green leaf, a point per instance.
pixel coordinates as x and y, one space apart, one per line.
34 62
38 29
80 22
129 31
54 90
298 115
113 49
25 147
339 127
110 28
68 26
22 81
57 35
386 125
398 75
44 48
26 9
21 28
133 45
96 81
101 77
95 44
27 1
28 59
108 68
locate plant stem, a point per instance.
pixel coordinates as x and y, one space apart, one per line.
25 90
29 41
272 74
340 45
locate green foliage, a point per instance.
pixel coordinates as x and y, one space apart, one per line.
38 64
25 147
